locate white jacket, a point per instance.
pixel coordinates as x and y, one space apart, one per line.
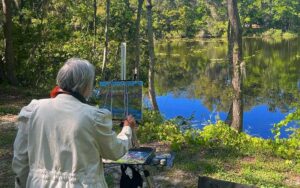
61 142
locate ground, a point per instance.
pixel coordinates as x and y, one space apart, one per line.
11 101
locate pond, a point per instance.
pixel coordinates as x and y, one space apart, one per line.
193 80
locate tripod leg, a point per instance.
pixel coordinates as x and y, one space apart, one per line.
148 178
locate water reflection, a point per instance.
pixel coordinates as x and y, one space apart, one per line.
194 75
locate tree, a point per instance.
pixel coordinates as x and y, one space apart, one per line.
95 24
105 51
9 63
137 38
235 60
152 95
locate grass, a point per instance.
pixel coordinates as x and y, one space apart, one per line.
7 136
258 170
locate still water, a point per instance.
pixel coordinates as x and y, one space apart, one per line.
192 79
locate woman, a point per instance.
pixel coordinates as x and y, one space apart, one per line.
61 140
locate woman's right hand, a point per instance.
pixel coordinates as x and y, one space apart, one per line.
130 121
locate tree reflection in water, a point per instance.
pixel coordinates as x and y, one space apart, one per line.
198 70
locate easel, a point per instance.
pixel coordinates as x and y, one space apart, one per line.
156 161
134 140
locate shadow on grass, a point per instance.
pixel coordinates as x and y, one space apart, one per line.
231 165
12 99
206 161
7 136
212 162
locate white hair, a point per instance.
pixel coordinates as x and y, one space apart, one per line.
76 75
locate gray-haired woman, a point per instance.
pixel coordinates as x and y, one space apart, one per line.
61 140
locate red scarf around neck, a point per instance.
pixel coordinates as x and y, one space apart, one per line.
55 91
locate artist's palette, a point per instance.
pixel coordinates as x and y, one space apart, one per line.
141 155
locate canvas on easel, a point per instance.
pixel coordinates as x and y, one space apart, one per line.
121 98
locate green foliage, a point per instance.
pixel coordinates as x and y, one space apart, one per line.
288 147
217 28
218 135
255 168
182 19
278 34
294 116
274 33
221 135
289 35
151 116
278 14
45 34
157 130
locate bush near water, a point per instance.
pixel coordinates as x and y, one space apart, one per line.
155 128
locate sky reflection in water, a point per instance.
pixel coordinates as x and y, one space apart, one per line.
192 78
258 121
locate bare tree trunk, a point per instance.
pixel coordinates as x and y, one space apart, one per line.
229 56
235 59
137 40
2 76
152 95
95 25
105 51
8 43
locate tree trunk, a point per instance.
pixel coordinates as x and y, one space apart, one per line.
2 76
229 55
235 59
105 51
152 95
137 40
95 25
8 43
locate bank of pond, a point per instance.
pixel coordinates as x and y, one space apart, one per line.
220 135
220 152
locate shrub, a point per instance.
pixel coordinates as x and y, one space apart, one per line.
272 33
288 147
151 116
289 35
277 33
220 135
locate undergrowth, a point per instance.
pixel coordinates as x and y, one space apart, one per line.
220 152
